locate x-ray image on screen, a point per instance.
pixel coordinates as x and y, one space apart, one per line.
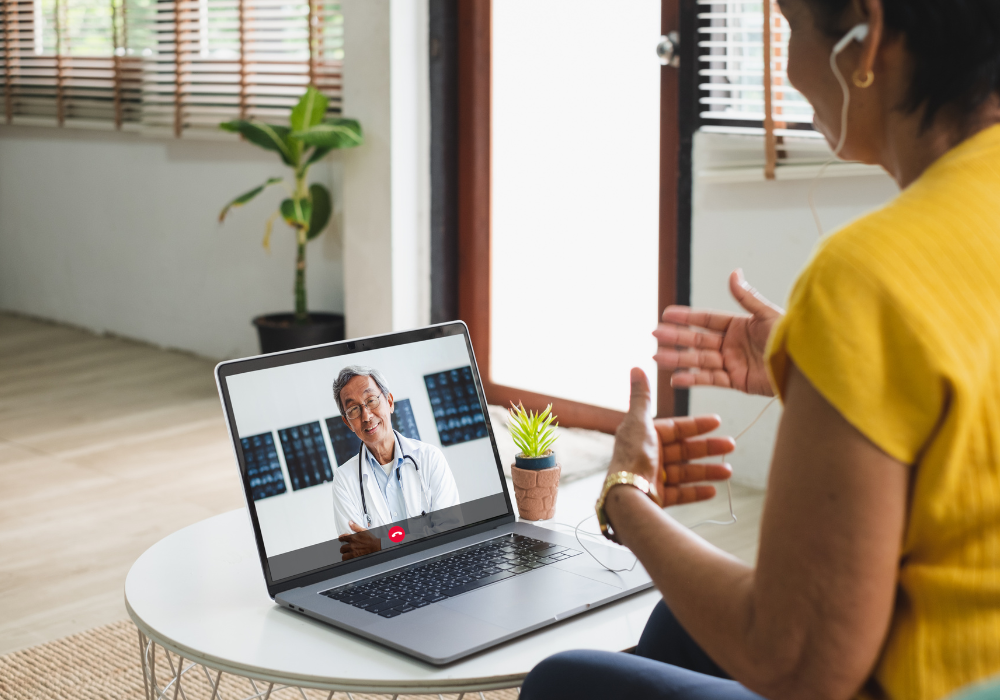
305 455
456 406
403 420
346 444
263 467
343 440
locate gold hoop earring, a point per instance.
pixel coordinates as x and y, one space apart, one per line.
868 79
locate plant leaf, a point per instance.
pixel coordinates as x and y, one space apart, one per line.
297 219
533 433
310 110
319 153
322 207
268 227
247 196
332 133
268 136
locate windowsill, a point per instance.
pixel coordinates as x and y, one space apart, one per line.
133 130
788 172
734 158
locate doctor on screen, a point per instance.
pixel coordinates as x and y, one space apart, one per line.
393 477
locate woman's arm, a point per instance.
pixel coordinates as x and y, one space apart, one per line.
810 619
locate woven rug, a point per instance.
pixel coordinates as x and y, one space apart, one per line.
103 663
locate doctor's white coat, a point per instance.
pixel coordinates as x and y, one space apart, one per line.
434 470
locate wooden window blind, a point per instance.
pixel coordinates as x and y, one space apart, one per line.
64 60
165 65
732 45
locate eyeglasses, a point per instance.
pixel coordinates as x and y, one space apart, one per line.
354 412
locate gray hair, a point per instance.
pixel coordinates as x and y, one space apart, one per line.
349 373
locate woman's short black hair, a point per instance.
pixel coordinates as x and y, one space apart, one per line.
955 45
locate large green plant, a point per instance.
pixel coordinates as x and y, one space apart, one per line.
308 137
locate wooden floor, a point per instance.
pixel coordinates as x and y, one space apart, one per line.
107 446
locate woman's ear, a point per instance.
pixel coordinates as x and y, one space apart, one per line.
875 17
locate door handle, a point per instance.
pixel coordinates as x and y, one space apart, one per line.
669 50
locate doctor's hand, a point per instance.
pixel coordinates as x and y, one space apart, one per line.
719 349
358 543
661 449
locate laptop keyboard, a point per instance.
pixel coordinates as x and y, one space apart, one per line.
464 570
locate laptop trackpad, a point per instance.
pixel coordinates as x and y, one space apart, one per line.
531 598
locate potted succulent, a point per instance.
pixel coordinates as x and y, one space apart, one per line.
535 471
307 138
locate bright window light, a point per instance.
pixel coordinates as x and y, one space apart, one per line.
576 120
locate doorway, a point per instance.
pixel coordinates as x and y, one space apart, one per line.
573 181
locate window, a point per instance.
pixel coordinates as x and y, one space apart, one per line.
731 71
575 197
162 65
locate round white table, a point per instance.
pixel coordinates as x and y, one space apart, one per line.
199 601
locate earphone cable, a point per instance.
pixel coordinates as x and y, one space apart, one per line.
847 101
846 90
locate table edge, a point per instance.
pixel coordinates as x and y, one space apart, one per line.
324 683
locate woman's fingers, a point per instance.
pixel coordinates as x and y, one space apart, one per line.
674 474
672 335
669 358
687 450
683 427
748 297
676 495
684 379
686 316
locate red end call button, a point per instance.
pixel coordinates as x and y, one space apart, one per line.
396 534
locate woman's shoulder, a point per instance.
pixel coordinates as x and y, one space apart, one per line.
956 200
855 259
927 244
864 335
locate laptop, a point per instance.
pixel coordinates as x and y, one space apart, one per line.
454 574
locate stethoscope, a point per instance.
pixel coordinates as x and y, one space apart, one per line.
399 479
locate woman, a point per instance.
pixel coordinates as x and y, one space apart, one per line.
878 572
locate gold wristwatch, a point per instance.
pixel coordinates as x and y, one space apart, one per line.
618 479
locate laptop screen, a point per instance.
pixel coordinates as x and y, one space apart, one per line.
403 455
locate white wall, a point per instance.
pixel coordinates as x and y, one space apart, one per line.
767 229
387 180
117 232
273 399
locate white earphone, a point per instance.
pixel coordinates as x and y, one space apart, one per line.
858 33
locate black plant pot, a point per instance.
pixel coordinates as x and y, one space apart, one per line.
279 332
546 461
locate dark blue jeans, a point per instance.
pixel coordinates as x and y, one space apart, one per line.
667 665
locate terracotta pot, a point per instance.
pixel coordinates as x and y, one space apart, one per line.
535 491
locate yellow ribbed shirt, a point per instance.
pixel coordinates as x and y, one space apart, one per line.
896 322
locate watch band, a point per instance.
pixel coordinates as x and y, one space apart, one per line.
618 479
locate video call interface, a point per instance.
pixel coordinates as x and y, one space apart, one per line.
301 457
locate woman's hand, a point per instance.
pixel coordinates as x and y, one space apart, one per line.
661 449
678 449
719 349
